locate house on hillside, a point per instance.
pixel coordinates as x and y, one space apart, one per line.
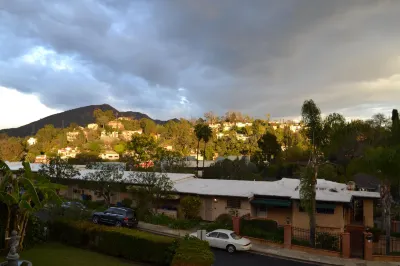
31 141
127 134
108 135
115 124
41 159
72 135
68 152
109 155
93 126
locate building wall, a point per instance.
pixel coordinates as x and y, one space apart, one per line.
325 222
219 206
273 213
368 209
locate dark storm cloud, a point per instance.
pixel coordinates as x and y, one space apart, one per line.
263 57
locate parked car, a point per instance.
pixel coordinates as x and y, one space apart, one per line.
118 216
226 239
73 204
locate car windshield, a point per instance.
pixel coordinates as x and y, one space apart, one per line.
235 236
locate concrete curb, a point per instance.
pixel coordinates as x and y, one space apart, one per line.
316 263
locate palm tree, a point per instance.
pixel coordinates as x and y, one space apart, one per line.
207 134
198 130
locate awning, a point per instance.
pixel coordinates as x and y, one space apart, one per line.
325 206
272 202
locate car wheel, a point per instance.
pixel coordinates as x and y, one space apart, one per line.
118 224
231 249
95 219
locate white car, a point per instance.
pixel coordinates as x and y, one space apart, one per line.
226 239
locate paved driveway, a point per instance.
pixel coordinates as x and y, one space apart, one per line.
223 258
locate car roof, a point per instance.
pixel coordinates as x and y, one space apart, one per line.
224 231
121 208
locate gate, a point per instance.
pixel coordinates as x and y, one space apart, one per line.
356 240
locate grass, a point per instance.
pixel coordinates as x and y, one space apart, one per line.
51 254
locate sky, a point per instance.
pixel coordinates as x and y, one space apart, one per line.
181 58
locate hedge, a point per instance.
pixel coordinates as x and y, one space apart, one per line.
265 229
193 252
120 242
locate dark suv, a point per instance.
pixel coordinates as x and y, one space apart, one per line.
118 216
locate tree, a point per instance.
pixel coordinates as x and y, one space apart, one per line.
11 149
24 194
150 188
148 126
206 135
191 207
198 131
269 146
170 161
120 147
312 121
103 179
143 148
382 162
211 117
58 169
103 117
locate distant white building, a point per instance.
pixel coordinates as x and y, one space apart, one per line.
72 135
241 137
109 155
127 134
105 135
32 141
68 152
93 126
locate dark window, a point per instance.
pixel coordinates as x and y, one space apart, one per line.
325 211
223 236
233 203
262 208
213 234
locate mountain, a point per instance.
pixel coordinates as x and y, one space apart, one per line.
81 116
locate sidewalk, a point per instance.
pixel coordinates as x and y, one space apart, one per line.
276 251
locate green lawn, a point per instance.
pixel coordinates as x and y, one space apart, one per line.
51 254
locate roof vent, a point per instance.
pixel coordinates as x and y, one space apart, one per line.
333 190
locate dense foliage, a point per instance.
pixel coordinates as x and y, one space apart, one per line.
126 243
193 252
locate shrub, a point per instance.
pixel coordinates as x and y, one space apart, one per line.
127 202
193 252
265 225
224 218
327 241
120 242
161 219
214 226
191 206
275 236
35 232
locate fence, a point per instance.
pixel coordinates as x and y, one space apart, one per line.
379 247
323 240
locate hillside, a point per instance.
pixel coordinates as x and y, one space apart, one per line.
81 116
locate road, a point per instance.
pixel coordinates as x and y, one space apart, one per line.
223 258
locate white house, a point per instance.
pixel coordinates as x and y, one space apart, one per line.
32 141
109 155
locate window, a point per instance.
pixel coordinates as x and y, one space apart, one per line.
325 211
223 236
213 234
235 236
233 203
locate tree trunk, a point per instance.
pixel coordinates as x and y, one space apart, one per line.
204 156
197 158
7 229
386 204
24 223
313 223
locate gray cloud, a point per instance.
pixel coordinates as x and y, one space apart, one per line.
263 57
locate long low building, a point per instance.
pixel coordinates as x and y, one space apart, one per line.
336 206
